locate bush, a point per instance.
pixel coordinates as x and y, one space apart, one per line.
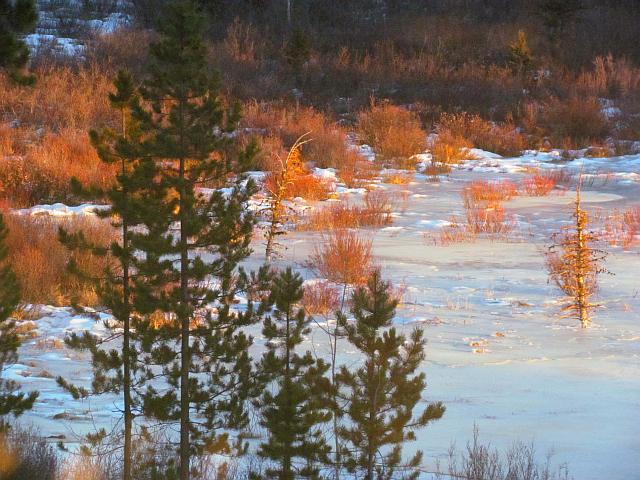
539 185
61 99
448 149
43 174
580 120
342 257
327 142
376 211
502 139
40 261
24 454
488 193
394 132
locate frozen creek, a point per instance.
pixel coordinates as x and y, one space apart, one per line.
498 353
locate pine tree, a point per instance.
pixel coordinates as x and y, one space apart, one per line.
520 58
191 274
297 50
16 18
574 264
296 406
114 369
11 401
383 392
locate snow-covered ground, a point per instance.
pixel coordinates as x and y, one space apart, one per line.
499 355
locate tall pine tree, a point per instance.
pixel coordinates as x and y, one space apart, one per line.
115 368
11 401
384 391
296 405
191 244
16 18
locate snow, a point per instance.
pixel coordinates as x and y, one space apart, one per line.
61 210
498 353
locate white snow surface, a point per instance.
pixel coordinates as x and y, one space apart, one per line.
498 353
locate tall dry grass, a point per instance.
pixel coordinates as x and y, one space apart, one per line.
40 261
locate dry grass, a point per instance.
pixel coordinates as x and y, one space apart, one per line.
342 257
327 145
539 184
622 228
449 149
320 298
502 139
492 220
376 211
40 261
489 193
394 132
61 99
576 121
307 186
43 174
398 178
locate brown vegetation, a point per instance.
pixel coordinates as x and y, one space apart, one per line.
394 132
40 261
342 257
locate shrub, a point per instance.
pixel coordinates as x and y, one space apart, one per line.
622 228
449 149
397 178
342 257
355 170
61 99
490 220
503 139
320 298
394 132
490 193
24 454
578 119
43 174
307 186
40 261
376 211
327 145
539 185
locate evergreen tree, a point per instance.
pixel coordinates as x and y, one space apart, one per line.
383 392
191 244
297 49
11 401
520 58
16 18
293 411
114 369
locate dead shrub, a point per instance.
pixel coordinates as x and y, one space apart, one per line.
578 119
434 169
503 139
490 193
44 173
24 453
40 261
449 149
491 220
327 145
62 98
539 184
398 178
320 298
623 228
394 132
356 170
453 233
342 257
376 211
